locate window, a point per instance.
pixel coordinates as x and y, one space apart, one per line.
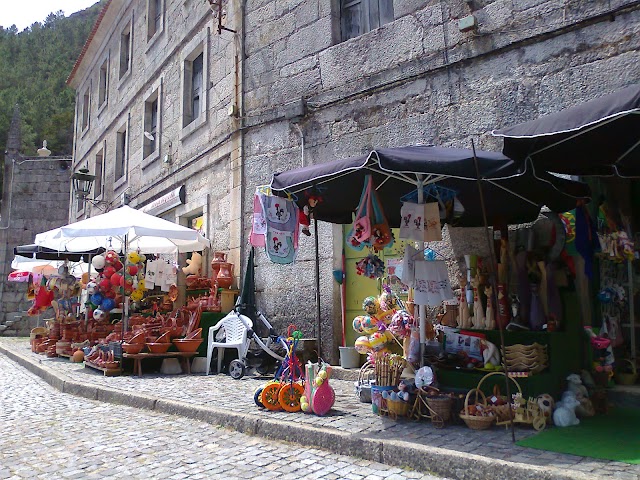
361 16
85 108
151 127
98 169
125 51
155 14
193 89
121 153
79 206
103 83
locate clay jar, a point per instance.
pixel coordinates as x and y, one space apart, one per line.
225 275
218 258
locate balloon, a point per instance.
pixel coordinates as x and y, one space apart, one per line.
362 344
111 257
99 314
98 262
108 304
132 270
137 295
133 257
357 324
118 265
109 293
377 341
116 280
96 298
91 288
370 305
105 285
369 324
108 271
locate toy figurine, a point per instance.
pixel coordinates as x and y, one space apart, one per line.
490 318
306 214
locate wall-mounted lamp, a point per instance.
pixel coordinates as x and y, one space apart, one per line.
82 184
219 10
149 136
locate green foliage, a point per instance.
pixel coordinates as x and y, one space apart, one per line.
34 66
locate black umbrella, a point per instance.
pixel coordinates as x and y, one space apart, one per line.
512 193
43 253
598 137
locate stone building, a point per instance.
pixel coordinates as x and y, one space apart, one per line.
35 198
306 81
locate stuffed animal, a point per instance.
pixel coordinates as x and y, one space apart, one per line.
574 384
565 413
194 264
490 354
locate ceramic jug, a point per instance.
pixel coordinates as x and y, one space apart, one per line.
218 258
225 275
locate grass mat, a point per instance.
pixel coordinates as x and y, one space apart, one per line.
615 436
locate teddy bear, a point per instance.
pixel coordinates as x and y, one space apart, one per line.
580 392
194 264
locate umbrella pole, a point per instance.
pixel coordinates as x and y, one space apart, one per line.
422 309
315 224
492 276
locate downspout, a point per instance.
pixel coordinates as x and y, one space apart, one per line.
242 113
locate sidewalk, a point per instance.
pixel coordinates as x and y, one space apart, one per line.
351 428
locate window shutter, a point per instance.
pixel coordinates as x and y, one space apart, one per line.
386 11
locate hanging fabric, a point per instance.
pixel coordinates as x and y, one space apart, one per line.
259 226
381 235
360 233
420 222
408 264
431 284
282 222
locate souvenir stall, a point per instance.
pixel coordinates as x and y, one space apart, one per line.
127 307
511 194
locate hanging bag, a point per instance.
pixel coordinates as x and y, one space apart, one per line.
381 235
361 230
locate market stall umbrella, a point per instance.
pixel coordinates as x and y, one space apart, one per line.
513 193
38 252
121 227
599 137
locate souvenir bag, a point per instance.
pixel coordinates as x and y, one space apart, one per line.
381 235
361 231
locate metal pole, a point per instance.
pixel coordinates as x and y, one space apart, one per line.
422 309
632 313
494 286
315 235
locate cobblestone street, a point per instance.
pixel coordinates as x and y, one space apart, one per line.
48 434
133 438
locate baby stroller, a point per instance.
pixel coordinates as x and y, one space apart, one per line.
246 330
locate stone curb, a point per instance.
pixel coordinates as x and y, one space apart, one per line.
434 460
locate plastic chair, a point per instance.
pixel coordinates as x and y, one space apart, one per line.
235 337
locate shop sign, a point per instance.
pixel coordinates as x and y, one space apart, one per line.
166 202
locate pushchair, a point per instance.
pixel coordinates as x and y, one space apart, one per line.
248 331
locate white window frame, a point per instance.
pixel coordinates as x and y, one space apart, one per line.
373 14
85 110
124 74
199 45
121 155
155 20
103 95
98 185
154 93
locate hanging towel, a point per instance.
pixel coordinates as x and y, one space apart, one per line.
431 284
259 228
282 219
408 263
150 276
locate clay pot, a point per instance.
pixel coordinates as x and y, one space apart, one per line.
132 348
158 347
195 335
225 275
218 258
187 345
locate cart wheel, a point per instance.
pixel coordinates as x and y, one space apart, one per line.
289 396
263 369
437 420
256 397
236 369
269 396
539 423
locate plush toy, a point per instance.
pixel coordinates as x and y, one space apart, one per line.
574 384
490 354
546 403
306 214
194 264
565 415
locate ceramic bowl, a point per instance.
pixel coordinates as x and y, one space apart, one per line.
132 348
164 338
155 347
196 334
187 345
138 338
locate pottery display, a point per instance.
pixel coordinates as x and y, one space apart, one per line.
132 348
225 275
187 345
218 258
155 347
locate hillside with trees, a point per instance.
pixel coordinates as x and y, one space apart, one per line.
34 65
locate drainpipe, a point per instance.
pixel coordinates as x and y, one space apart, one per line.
242 113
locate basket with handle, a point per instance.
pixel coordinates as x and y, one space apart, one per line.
397 408
627 375
502 412
441 405
477 422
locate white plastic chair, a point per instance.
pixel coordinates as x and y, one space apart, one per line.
235 337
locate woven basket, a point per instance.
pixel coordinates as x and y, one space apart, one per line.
503 413
476 422
397 408
628 377
441 405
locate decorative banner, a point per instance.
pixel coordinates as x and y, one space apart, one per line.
18 277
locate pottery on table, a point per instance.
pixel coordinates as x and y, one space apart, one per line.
155 347
225 275
196 334
164 338
218 258
132 348
187 345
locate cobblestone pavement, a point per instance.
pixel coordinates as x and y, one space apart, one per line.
48 434
349 416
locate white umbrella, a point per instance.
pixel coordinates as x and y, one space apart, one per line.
124 227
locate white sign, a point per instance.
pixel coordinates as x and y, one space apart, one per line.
166 202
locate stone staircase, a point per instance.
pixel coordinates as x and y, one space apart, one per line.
17 324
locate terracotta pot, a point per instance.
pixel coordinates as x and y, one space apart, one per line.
187 345
158 347
225 275
218 258
132 347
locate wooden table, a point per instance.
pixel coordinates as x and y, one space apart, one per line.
138 357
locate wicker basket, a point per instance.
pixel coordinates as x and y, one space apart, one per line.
629 376
476 422
397 408
441 405
504 412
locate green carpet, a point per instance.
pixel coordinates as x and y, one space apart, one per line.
615 436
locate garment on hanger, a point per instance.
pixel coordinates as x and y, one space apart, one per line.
431 284
408 263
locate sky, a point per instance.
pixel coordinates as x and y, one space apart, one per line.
24 13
